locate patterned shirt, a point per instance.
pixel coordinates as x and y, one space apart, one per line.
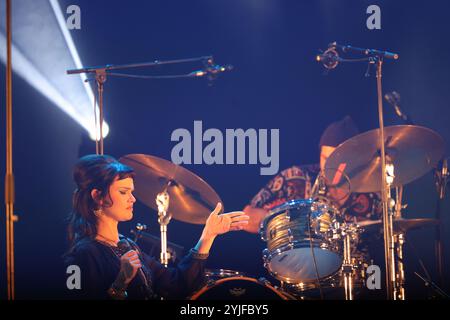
296 183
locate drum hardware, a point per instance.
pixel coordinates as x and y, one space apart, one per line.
428 283
393 98
339 285
441 176
349 263
427 278
388 206
411 151
162 201
212 275
399 240
222 273
401 225
313 253
385 156
152 243
332 287
340 230
138 230
319 188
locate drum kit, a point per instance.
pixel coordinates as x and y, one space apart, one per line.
310 247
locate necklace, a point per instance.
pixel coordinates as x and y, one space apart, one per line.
107 241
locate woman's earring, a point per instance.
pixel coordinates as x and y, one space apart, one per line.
98 212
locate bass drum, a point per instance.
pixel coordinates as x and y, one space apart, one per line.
240 288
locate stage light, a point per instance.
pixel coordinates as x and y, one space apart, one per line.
42 51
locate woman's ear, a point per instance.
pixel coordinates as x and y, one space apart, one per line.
95 194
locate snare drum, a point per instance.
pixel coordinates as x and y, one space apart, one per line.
239 288
301 237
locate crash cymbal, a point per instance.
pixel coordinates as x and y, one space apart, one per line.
413 150
191 198
400 225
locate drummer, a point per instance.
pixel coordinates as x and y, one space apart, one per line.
297 182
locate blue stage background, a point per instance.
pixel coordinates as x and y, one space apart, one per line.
276 83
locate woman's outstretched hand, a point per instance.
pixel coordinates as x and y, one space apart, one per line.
217 224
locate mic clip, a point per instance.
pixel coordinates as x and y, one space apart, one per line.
329 58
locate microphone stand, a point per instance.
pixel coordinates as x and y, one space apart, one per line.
385 193
387 170
11 218
101 73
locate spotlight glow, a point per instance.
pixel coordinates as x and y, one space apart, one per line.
42 51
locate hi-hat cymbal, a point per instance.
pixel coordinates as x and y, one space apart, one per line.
401 225
191 198
413 151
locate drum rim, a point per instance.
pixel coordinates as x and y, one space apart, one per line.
333 278
329 282
223 273
278 209
267 257
209 286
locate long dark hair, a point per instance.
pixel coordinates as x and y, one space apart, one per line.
92 172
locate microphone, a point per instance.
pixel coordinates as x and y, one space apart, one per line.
330 58
214 70
124 245
393 98
211 70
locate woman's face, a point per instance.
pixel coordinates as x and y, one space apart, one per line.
121 196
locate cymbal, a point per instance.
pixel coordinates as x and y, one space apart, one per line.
401 224
191 198
413 150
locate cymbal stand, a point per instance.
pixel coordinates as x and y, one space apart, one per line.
347 266
162 201
399 240
441 174
388 212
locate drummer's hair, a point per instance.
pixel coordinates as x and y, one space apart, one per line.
338 132
92 172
